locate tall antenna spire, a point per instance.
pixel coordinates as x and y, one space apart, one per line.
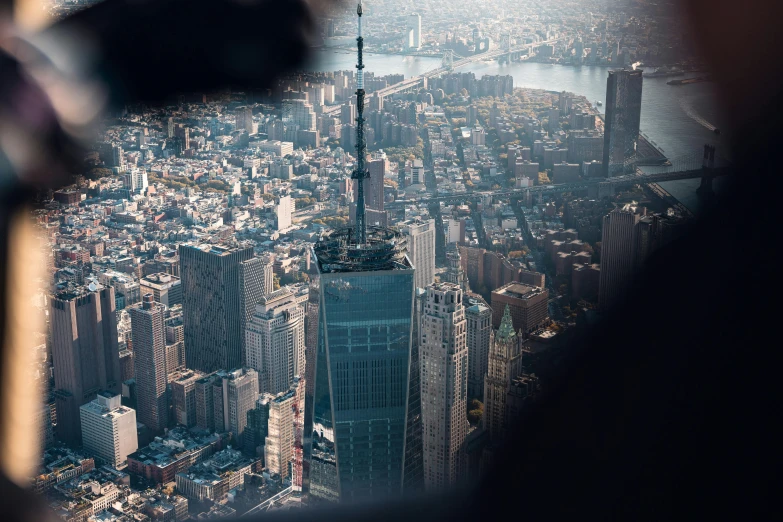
360 172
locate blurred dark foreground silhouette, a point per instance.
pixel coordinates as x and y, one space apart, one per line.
667 409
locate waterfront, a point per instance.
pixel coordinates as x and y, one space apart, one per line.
679 119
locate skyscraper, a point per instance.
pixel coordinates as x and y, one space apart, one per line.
223 400
618 255
373 190
149 351
443 361
479 321
623 113
183 397
275 341
454 271
360 389
109 429
85 352
414 31
421 249
413 476
505 363
355 417
279 441
212 307
256 280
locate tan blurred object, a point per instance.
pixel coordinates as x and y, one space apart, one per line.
31 15
20 434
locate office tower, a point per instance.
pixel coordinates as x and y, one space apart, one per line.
256 279
414 31
360 385
166 289
182 134
443 360
244 119
149 354
413 473
183 397
170 127
618 255
421 249
85 352
284 208
275 341
205 403
256 428
279 441
373 191
621 128
109 429
175 339
479 320
529 306
223 400
504 364
454 271
364 287
212 305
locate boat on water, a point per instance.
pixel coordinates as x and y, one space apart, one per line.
598 103
664 72
689 81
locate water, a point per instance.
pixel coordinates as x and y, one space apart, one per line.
679 119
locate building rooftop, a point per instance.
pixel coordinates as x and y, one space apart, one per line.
519 291
385 249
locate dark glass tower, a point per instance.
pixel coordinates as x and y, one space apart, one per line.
621 126
360 324
358 402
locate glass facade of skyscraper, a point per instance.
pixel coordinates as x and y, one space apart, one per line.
623 114
359 396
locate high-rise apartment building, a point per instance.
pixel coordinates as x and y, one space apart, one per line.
479 321
414 31
275 341
623 114
421 249
529 306
149 356
443 361
109 429
85 352
354 433
244 119
212 305
618 255
505 364
284 209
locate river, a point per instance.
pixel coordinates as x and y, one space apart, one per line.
679 119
